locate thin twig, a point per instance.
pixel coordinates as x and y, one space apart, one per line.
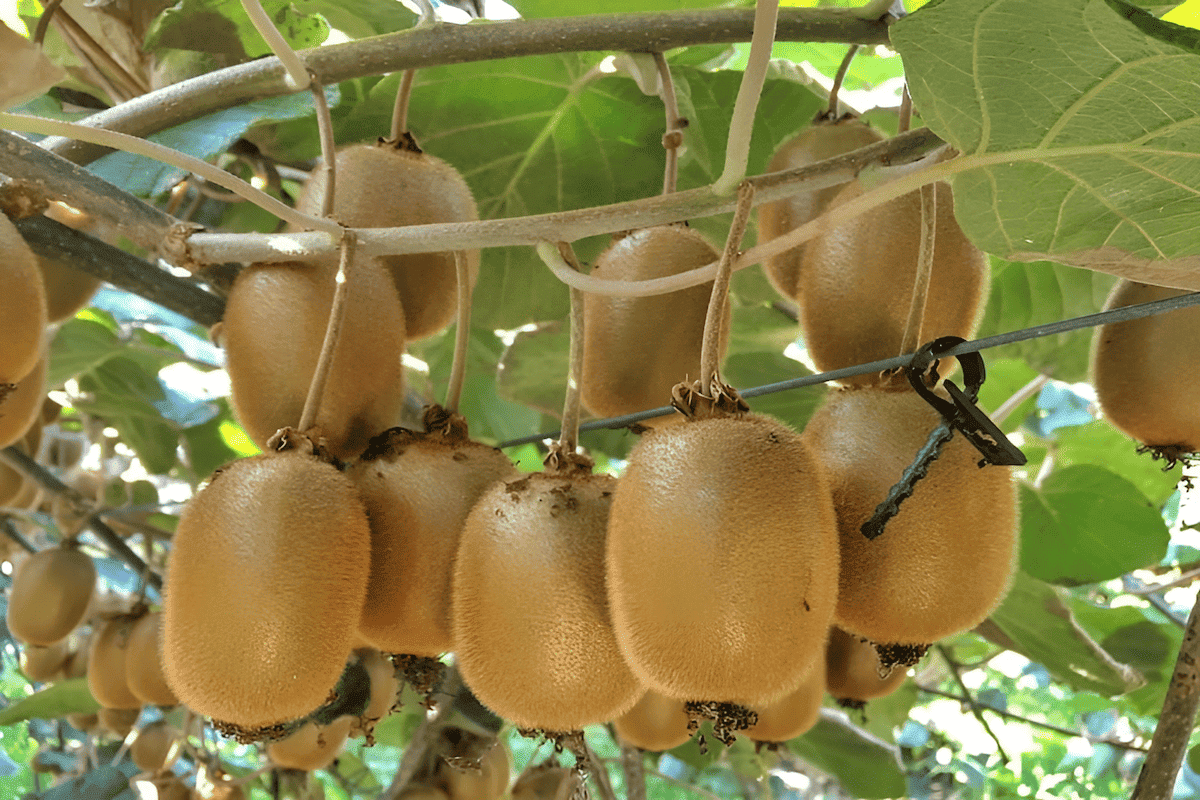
673 137
1156 781
333 331
462 332
130 85
1184 579
10 530
569 438
39 34
297 73
906 110
923 271
710 350
737 148
833 112
633 768
971 701
599 773
1018 397
423 736
328 149
400 110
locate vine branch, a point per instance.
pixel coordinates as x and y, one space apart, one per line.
976 708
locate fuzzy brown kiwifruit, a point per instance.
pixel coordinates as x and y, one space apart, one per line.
22 404
530 614
933 572
152 745
67 289
144 663
418 489
655 723
545 782
486 779
50 594
794 714
821 140
118 722
1146 372
384 185
275 321
385 691
312 746
107 656
22 309
636 348
12 481
856 283
853 673
44 663
722 559
265 584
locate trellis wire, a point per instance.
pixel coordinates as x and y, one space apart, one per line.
1037 331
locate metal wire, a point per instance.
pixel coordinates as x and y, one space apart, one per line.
1062 326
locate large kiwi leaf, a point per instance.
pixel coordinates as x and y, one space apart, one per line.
1090 121
865 766
65 697
1140 637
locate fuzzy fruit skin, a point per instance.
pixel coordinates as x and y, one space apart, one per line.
107 657
50 594
274 325
264 588
12 480
486 783
23 406
312 746
795 713
118 722
1147 371
385 690
938 568
22 305
635 349
819 141
656 723
149 750
852 669
386 187
43 663
722 559
546 783
856 283
67 289
143 665
417 502
530 613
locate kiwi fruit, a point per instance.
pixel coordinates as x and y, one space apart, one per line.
50 594
21 408
856 282
152 745
67 289
44 663
529 614
312 746
85 723
22 307
1144 389
636 348
265 584
655 723
385 690
795 713
107 656
143 662
388 185
487 781
547 782
274 326
418 489
118 722
932 573
13 482
422 791
818 142
722 559
853 673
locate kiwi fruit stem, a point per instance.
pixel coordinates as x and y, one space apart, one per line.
462 332
905 111
710 351
916 310
328 148
400 111
569 438
838 78
673 138
333 331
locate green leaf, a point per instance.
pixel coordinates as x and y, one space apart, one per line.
360 18
1101 444
227 29
103 783
1139 637
530 9
80 345
58 700
1087 524
208 446
1079 132
1035 621
1024 295
533 369
865 766
124 391
1004 377
795 407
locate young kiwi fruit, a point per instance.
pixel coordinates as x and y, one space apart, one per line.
636 348
50 594
853 673
487 781
312 746
152 745
856 282
930 574
266 581
22 307
143 662
67 289
118 722
1146 372
529 613
389 184
656 723
418 489
22 405
795 713
547 782
12 481
107 657
274 326
722 557
44 663
385 691
822 140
